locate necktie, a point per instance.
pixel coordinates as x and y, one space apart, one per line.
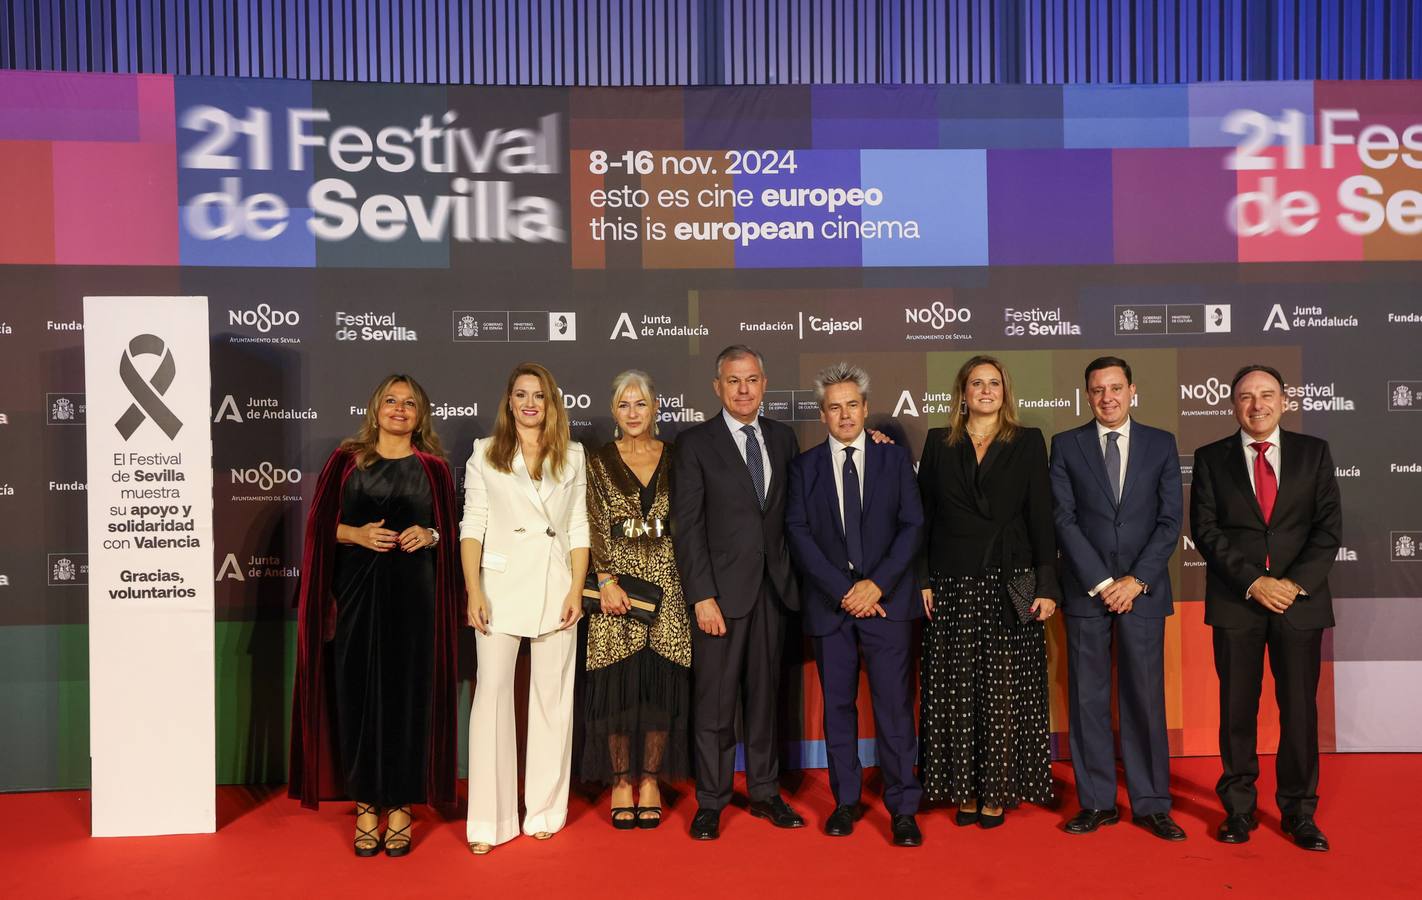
1113 464
1266 485
755 464
853 540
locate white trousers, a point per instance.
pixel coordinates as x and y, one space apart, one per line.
493 742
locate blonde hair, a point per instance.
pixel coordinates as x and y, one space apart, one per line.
1007 422
363 442
636 378
554 439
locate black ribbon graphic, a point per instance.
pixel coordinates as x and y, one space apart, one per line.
146 393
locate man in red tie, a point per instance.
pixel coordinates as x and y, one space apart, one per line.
1265 515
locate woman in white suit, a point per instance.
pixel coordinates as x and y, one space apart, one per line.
524 544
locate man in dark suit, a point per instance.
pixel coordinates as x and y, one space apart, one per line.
728 527
854 521
1118 506
1265 514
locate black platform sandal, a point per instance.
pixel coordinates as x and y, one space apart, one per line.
649 816
624 818
367 842
397 840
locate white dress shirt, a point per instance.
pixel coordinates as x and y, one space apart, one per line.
740 438
1123 445
1272 454
837 456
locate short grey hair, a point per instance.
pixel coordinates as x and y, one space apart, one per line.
840 373
738 351
635 378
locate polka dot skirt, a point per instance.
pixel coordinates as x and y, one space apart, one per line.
984 719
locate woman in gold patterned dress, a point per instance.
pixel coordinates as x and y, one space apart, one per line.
639 677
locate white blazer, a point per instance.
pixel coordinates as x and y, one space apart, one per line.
527 529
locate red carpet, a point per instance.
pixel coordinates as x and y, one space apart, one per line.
267 847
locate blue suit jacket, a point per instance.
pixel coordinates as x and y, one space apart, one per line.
1100 540
891 529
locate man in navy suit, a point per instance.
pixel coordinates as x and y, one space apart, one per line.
1118 507
854 521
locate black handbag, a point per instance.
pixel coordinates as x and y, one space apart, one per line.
1020 585
644 596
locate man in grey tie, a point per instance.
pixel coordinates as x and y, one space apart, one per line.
728 526
1118 507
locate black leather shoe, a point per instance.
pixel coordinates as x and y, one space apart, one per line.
1088 820
906 833
1235 829
706 824
1160 825
963 818
841 822
778 812
1305 833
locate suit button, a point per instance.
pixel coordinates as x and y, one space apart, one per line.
550 532
1118 524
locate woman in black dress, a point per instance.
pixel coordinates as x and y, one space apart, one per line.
639 676
386 497
988 507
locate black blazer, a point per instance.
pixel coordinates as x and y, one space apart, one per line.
724 543
1300 540
993 514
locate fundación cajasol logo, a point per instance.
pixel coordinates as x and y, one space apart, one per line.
148 392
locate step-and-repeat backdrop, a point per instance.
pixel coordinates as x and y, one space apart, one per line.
341 232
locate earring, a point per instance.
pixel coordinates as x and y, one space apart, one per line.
963 407
616 432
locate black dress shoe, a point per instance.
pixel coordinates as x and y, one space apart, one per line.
906 833
1088 820
1235 829
1160 825
986 821
1305 833
706 824
963 817
778 812
841 822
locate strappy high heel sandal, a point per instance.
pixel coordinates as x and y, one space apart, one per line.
624 818
649 816
397 840
367 841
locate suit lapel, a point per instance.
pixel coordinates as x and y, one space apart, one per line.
730 454
1293 478
1135 458
1090 446
1234 464
779 465
874 459
824 475
530 489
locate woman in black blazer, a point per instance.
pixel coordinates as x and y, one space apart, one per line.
987 502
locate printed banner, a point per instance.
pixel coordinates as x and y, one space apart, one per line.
152 721
342 232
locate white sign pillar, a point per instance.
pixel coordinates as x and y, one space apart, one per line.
152 719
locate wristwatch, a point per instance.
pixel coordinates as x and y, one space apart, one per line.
1145 588
435 532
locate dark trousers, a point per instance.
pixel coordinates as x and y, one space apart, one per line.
744 665
888 657
1295 659
1145 748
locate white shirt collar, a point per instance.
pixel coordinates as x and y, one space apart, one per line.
1273 438
736 425
859 443
1124 430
